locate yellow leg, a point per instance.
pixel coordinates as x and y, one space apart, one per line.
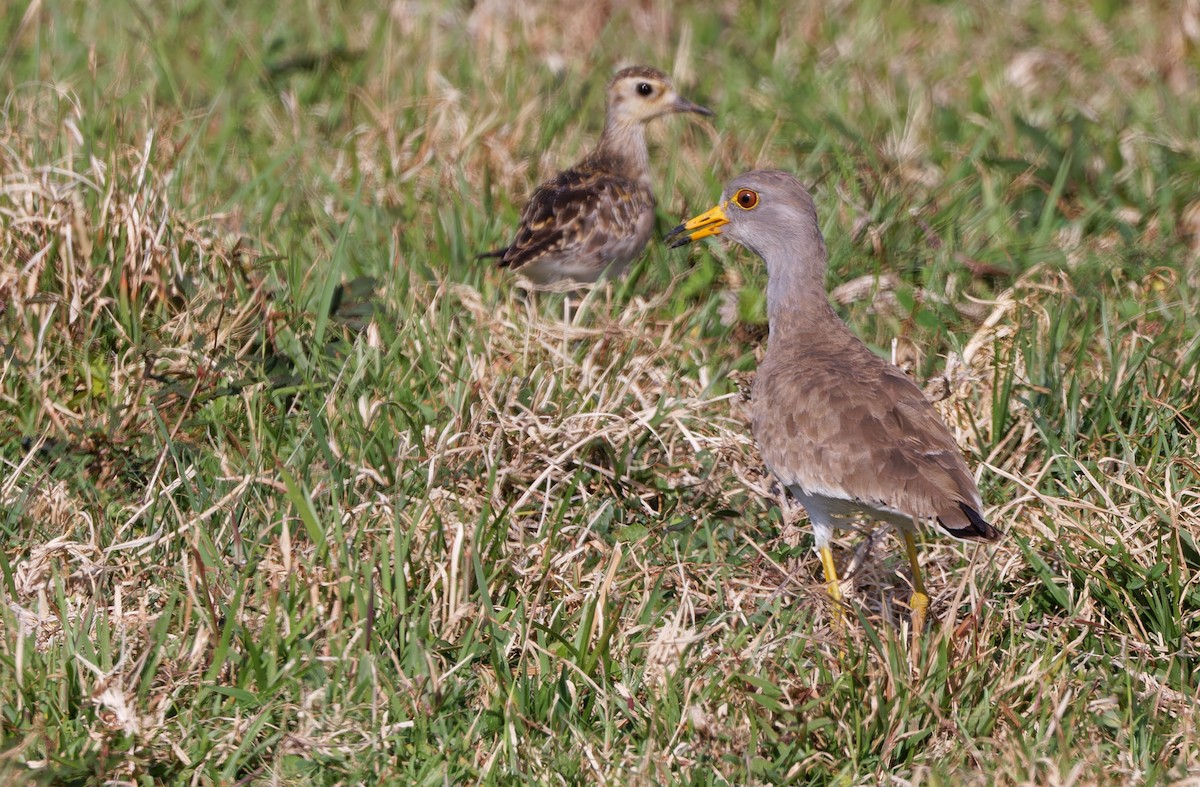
835 590
919 602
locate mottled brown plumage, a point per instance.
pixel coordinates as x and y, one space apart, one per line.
596 217
849 435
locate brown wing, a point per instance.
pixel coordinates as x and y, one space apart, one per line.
577 213
838 420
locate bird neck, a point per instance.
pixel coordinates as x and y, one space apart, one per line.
624 144
796 299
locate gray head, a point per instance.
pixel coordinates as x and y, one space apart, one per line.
772 214
640 93
768 212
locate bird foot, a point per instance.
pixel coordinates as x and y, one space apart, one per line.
838 609
919 604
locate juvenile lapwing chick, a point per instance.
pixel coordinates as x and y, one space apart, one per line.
849 435
596 217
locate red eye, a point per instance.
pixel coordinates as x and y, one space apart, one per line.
746 199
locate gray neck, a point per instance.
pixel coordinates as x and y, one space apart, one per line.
625 143
796 299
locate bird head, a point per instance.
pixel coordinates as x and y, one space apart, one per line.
639 94
760 210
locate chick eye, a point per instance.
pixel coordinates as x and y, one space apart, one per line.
746 199
645 88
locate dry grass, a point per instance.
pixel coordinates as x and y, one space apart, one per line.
293 490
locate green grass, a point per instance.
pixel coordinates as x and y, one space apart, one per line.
292 489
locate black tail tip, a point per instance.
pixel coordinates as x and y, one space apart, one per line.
978 529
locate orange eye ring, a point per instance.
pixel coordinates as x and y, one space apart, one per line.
746 199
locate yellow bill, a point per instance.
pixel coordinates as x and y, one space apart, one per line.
707 223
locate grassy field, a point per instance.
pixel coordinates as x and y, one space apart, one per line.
293 490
